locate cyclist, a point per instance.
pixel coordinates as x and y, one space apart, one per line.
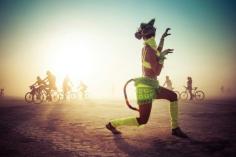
82 88
222 89
67 84
39 83
190 87
51 84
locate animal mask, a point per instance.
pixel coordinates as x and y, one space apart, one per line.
146 30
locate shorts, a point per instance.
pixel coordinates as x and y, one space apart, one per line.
146 89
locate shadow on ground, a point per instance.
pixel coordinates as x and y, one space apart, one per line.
178 147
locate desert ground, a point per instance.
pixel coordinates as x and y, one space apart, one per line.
77 129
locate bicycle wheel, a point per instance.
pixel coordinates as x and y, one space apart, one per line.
61 96
38 98
55 96
200 95
184 95
178 94
28 97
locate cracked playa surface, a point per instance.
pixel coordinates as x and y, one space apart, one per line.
77 129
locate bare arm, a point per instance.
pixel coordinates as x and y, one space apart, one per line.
34 83
161 44
46 79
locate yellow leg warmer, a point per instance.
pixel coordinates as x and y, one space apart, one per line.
174 114
130 121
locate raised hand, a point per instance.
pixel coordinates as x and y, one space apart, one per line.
165 34
167 51
163 55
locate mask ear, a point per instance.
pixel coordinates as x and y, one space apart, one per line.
151 22
142 25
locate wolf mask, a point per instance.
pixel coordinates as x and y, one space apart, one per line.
146 30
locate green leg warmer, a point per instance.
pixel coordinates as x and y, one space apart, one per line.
174 114
130 121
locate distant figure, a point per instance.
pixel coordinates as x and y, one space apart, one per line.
82 88
67 84
39 83
2 92
168 83
222 89
51 83
51 80
189 87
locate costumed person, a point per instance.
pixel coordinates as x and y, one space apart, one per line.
147 87
168 83
189 87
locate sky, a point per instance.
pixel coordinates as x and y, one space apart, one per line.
94 41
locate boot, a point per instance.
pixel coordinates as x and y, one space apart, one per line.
112 129
179 133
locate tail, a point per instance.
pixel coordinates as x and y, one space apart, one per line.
126 97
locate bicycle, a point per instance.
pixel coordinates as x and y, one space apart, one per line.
71 95
197 94
29 96
40 94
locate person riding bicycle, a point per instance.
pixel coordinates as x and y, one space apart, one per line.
39 83
67 84
51 83
2 92
222 89
82 89
168 83
147 87
189 87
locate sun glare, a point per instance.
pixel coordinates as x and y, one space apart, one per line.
70 55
